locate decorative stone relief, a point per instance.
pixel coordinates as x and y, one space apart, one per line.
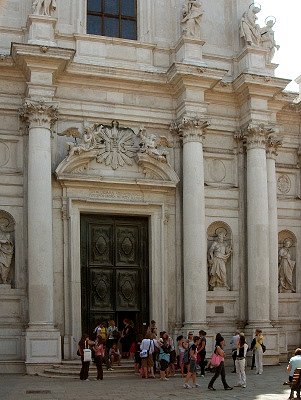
112 145
257 135
191 19
190 129
217 170
219 253
4 154
39 113
7 227
273 143
153 146
44 7
284 184
286 265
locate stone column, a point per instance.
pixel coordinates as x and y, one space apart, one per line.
192 131
272 146
257 225
42 340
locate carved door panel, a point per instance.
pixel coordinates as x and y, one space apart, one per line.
114 270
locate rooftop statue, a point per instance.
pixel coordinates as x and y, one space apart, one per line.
191 18
44 7
249 29
267 38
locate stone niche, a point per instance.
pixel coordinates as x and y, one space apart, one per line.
287 243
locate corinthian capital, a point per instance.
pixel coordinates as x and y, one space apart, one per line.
190 129
256 135
39 113
273 143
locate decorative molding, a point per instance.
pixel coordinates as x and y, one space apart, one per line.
116 196
284 184
156 170
273 143
190 129
39 113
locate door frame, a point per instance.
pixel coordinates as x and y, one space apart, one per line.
157 260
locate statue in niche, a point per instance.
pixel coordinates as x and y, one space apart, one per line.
218 255
44 7
6 247
267 38
286 268
191 18
151 145
249 29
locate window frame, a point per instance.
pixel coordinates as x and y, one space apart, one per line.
121 17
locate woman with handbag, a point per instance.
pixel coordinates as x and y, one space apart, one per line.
85 353
218 359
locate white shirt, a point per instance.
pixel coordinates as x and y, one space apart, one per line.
148 344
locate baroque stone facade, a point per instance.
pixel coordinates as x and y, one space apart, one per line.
186 128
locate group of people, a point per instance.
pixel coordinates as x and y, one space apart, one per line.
155 352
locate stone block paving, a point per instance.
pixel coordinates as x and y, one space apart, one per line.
268 386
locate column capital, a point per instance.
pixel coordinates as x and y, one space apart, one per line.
39 113
273 143
190 129
256 135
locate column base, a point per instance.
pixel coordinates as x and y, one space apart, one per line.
43 346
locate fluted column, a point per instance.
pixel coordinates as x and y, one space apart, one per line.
257 225
272 146
42 340
194 229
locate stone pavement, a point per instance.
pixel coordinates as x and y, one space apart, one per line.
268 386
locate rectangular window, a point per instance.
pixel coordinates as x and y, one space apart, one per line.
113 18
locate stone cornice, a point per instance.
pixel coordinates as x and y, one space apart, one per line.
256 135
190 129
39 113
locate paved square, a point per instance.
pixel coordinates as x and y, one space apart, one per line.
268 386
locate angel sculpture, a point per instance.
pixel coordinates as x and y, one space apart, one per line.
151 145
74 148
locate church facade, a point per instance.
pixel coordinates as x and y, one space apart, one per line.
149 169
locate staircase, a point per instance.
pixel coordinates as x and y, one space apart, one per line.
71 369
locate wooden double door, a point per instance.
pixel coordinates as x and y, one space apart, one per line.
114 270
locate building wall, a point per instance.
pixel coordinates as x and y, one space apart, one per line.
149 83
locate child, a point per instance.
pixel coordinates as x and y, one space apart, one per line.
192 364
114 354
99 352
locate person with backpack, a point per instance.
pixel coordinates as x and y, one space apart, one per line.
192 357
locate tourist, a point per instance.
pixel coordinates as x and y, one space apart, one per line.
112 334
294 362
233 344
220 369
127 338
240 361
182 346
202 352
164 359
191 374
147 347
114 355
99 353
83 344
258 351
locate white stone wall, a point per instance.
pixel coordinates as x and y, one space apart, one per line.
137 83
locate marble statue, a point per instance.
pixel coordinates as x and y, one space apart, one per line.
218 255
88 143
267 38
249 29
286 268
151 145
6 255
44 7
191 18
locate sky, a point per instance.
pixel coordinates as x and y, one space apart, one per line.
287 34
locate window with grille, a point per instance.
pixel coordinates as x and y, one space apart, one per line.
114 18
